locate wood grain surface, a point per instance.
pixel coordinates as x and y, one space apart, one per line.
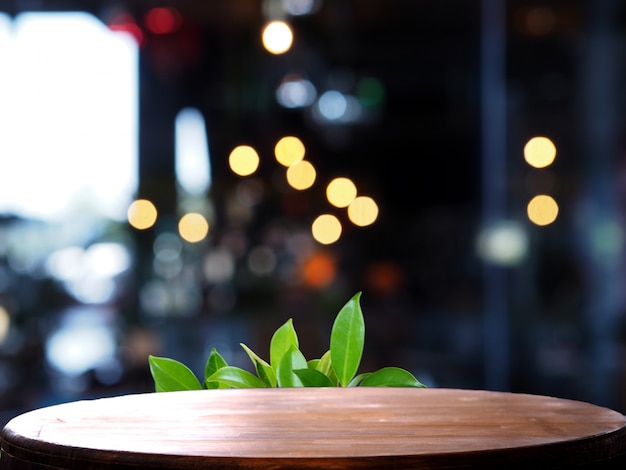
317 428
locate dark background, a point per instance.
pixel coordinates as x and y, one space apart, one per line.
466 84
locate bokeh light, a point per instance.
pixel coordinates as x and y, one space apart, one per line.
5 323
193 227
505 244
243 160
162 20
277 37
542 210
319 270
142 214
295 92
363 211
341 191
289 150
539 152
301 175
326 229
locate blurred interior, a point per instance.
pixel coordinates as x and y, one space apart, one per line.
146 206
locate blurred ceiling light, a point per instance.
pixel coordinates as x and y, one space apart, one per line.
289 150
504 244
301 7
340 192
363 211
301 175
162 20
277 37
193 227
539 152
5 323
193 171
107 259
326 229
141 214
243 160
332 105
94 70
295 92
542 210
66 263
76 349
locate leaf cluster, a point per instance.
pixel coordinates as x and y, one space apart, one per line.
287 366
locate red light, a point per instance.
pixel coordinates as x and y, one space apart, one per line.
126 24
162 20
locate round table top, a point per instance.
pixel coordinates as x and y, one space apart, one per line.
317 427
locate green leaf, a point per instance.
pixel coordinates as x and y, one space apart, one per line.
356 381
282 340
236 377
392 377
214 362
347 339
291 360
263 369
325 366
313 378
169 375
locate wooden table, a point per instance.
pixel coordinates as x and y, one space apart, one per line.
329 428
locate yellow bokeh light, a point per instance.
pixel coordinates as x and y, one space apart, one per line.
340 192
301 175
542 210
243 160
539 152
363 211
289 150
326 229
141 214
193 227
5 323
277 37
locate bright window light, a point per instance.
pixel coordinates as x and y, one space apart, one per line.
68 120
193 172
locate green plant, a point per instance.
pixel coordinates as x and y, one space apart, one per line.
288 367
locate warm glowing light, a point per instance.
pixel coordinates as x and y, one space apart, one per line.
319 270
542 210
243 160
539 152
5 323
277 37
301 175
289 150
142 214
363 211
326 229
340 192
193 227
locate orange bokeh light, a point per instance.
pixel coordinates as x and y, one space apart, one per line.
319 270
